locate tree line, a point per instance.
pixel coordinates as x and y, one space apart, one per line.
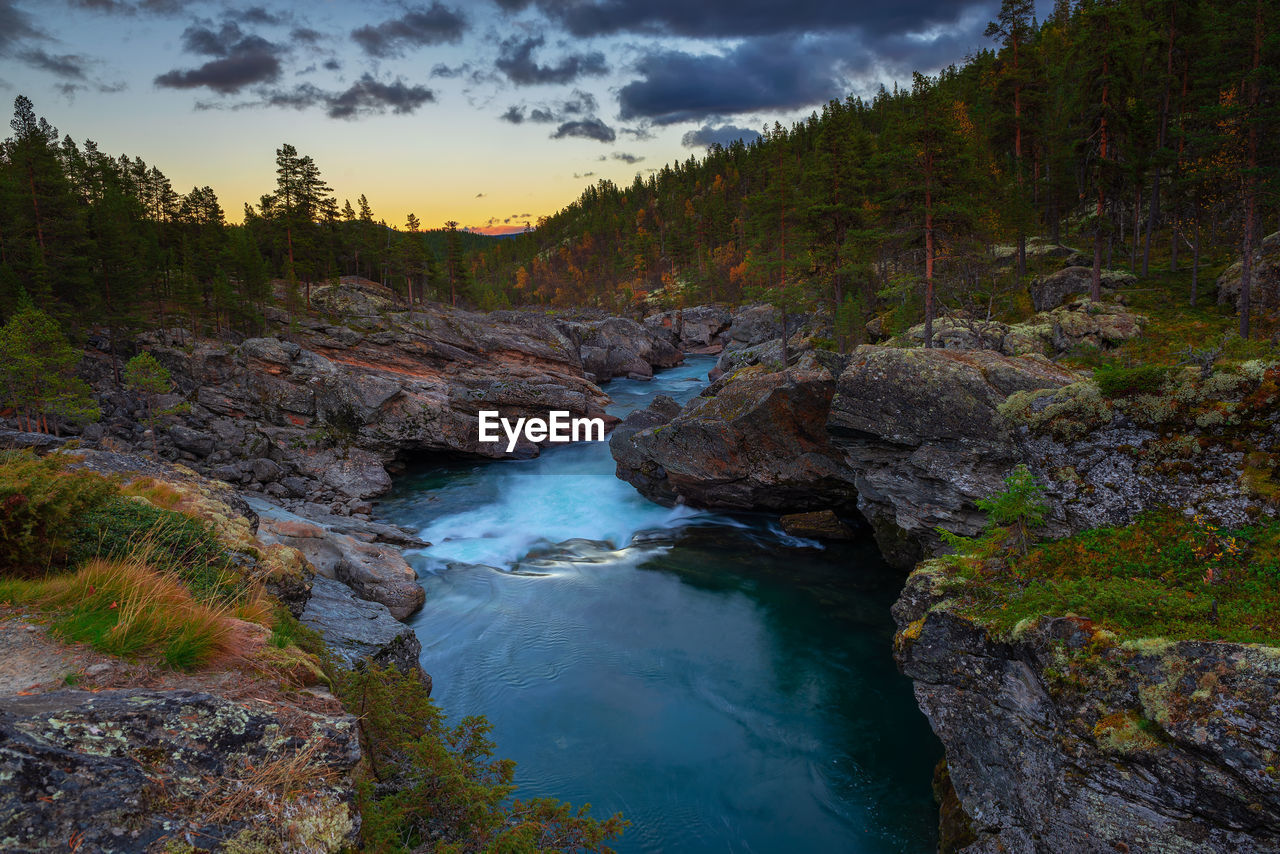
90 236
1131 127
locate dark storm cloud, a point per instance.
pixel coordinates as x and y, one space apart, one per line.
367 96
723 135
740 18
586 129
241 60
514 114
517 62
626 158
418 27
759 74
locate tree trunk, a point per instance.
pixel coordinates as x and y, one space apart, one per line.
35 205
1251 179
928 268
1095 285
1195 258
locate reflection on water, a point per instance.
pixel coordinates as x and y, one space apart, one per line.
726 687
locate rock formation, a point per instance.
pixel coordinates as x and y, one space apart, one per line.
1061 738
1264 292
135 771
921 433
758 442
1049 292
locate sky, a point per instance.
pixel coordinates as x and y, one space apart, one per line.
487 112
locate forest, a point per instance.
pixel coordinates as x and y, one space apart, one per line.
1136 129
1141 131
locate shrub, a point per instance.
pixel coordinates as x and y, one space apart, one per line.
177 543
1011 516
39 502
435 787
1126 382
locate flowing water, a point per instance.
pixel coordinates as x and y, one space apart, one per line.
727 687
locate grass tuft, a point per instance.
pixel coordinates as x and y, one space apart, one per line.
124 607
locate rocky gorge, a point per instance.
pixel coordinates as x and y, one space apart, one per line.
1058 736
308 427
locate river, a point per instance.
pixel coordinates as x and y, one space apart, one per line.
727 687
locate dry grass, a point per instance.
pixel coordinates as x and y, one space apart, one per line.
126 608
268 788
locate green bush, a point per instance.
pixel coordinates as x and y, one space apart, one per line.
175 543
40 500
435 787
1128 382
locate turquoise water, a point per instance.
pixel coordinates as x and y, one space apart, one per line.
726 687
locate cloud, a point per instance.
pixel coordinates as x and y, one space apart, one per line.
584 175
586 129
746 18
258 15
247 62
418 27
68 65
626 158
516 61
367 96
578 104
758 74
723 135
123 7
306 35
450 72
480 195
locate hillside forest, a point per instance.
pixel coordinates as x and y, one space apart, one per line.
1141 132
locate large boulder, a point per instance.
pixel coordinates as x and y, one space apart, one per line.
618 347
921 436
1264 292
756 440
1049 292
375 572
699 329
357 629
136 771
1079 324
